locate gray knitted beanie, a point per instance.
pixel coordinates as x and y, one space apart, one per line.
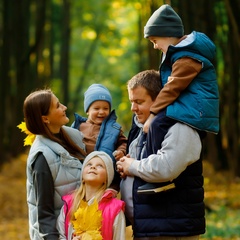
107 161
164 22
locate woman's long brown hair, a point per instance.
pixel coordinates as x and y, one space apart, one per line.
36 105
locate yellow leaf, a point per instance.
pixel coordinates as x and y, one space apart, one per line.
88 220
29 140
22 126
91 235
30 136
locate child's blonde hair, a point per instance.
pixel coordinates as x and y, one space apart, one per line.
79 194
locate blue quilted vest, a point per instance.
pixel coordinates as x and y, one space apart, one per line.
108 135
198 105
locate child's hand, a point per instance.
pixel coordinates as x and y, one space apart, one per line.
118 154
147 123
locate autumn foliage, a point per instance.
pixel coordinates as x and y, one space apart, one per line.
222 200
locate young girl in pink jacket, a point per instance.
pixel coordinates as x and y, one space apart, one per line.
93 211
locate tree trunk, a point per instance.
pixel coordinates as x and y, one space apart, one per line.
18 90
5 78
64 63
233 8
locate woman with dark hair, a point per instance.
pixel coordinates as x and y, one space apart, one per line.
54 163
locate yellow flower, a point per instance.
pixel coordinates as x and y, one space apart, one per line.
88 221
30 136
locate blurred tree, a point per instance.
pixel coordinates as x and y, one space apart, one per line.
105 51
64 57
69 45
219 20
14 71
204 20
229 43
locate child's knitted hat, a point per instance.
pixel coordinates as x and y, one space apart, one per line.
106 159
164 22
94 93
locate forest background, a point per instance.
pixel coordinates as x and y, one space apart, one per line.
68 45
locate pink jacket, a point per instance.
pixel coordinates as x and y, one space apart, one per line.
110 207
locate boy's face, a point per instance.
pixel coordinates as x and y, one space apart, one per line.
141 102
98 111
162 43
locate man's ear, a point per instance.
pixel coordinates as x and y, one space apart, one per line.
45 119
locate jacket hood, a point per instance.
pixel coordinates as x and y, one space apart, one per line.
140 125
200 44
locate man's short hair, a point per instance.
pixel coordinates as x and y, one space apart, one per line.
148 79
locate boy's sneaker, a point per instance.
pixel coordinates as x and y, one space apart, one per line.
152 188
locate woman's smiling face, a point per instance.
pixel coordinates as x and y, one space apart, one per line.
56 116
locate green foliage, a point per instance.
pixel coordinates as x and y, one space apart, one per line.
223 223
103 50
222 199
69 45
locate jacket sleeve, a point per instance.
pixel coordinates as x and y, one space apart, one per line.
119 226
44 192
61 225
122 143
180 148
184 71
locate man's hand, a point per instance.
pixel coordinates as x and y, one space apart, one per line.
148 122
123 166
